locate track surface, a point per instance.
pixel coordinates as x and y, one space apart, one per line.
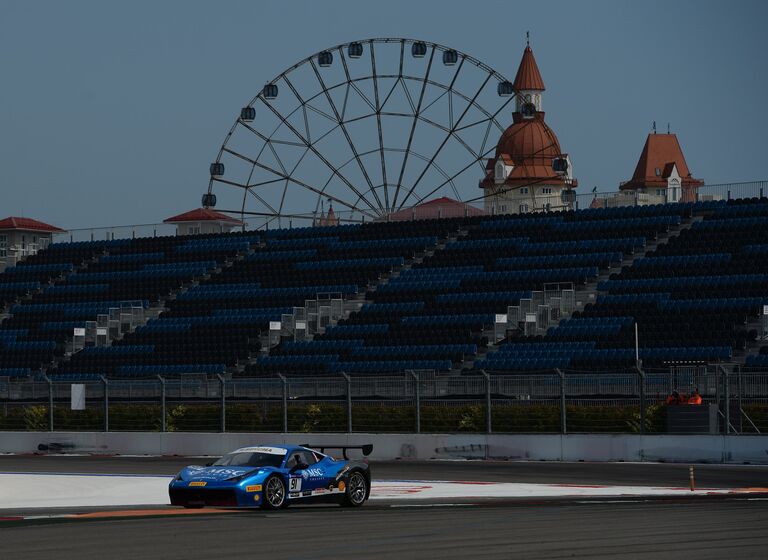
666 528
663 530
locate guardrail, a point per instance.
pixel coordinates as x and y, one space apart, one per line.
733 402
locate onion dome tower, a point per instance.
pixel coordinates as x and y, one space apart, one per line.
529 172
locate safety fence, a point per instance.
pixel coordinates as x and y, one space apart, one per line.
733 402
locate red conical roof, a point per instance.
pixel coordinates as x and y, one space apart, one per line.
659 152
528 76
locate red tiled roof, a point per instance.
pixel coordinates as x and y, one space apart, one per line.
659 152
27 224
202 215
528 76
442 207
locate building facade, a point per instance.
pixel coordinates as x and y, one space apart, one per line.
23 237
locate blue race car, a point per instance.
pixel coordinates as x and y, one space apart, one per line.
271 477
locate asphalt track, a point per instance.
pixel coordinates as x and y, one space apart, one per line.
703 527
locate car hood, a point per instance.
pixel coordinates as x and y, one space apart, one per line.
217 473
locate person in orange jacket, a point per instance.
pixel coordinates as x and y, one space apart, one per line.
674 398
695 397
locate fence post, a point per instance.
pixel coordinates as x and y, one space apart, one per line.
417 395
488 422
563 425
641 373
349 402
738 397
223 386
50 402
285 402
727 397
106 403
163 426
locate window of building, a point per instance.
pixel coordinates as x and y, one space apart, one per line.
658 172
3 244
659 192
546 190
523 190
523 208
547 207
503 208
194 230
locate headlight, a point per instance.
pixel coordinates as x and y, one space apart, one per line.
240 477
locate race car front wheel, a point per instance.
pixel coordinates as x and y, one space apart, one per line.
357 490
274 493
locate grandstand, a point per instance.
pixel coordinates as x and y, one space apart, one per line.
419 295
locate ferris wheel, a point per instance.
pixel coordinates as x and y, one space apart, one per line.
369 127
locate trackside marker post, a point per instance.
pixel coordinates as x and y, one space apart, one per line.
691 478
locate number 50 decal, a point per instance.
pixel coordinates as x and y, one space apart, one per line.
294 484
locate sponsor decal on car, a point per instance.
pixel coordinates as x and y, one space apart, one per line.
294 495
268 450
253 488
198 483
342 486
313 473
307 493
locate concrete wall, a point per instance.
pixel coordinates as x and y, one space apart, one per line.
549 447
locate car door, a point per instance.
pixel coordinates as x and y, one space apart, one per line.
308 481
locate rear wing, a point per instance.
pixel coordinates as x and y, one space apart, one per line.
366 449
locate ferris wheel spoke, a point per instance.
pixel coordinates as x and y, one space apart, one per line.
458 138
314 150
228 182
457 93
363 96
277 158
485 137
264 202
344 130
439 170
481 155
407 94
445 140
378 126
413 124
306 123
321 113
294 180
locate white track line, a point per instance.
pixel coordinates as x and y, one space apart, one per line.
48 490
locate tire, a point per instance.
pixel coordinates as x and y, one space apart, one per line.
356 491
274 496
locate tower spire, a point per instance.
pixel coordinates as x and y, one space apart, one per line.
527 38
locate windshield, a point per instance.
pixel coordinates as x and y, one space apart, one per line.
250 459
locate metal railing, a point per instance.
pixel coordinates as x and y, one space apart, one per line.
581 200
566 402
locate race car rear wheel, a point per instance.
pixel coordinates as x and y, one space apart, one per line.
356 491
274 493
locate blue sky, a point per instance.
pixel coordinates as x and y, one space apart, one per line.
111 113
